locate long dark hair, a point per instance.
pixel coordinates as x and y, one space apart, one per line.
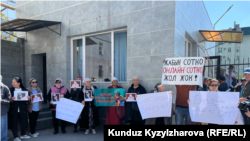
19 80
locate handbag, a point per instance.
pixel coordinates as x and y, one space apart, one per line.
121 112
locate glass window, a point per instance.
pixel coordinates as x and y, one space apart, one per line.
77 58
188 48
120 56
229 49
98 67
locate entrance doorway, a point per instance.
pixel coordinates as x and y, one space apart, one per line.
39 72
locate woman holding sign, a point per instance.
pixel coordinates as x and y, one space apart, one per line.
112 117
64 93
213 87
18 110
34 108
132 111
89 115
160 120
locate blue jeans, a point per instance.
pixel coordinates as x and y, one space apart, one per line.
180 114
4 128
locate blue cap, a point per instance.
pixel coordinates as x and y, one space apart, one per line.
247 70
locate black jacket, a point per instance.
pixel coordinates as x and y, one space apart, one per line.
76 95
132 110
85 112
13 111
67 95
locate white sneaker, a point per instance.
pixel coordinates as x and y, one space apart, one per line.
33 135
36 133
93 131
25 137
17 139
87 131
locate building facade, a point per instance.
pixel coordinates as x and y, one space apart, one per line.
235 53
101 39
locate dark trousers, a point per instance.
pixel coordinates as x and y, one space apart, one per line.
55 122
32 121
78 122
14 128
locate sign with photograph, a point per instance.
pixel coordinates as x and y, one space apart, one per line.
21 95
68 110
55 97
36 98
87 95
155 105
109 97
75 83
183 71
130 97
213 107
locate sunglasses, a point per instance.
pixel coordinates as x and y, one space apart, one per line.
34 82
58 82
214 85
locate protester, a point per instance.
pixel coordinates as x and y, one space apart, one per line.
132 111
5 105
239 88
230 75
182 95
223 86
206 81
75 94
34 108
18 110
160 120
112 117
64 93
246 93
90 116
213 87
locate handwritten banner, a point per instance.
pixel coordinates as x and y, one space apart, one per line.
68 110
183 71
155 104
213 107
109 97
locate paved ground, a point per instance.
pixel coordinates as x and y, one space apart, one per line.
47 135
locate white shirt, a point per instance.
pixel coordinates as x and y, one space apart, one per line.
229 80
18 90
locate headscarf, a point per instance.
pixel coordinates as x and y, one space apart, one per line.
59 80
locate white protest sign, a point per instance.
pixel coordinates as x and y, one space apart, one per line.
68 110
213 107
155 104
183 71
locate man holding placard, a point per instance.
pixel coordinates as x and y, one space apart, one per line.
185 73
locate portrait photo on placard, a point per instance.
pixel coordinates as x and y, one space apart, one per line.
75 83
21 95
37 98
130 97
55 97
87 95
118 98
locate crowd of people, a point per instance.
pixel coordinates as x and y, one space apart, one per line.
21 111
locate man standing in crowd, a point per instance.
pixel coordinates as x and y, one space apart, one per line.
5 105
239 88
206 81
246 93
229 77
223 86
